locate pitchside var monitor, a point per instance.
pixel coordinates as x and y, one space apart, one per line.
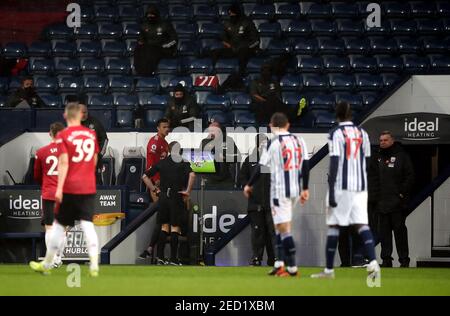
201 161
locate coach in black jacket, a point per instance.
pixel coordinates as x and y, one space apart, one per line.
262 233
391 177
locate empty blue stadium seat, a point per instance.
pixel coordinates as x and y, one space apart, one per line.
291 82
168 66
154 101
362 63
323 27
350 27
413 63
344 10
209 44
287 10
105 14
205 12
324 119
336 63
147 84
216 116
119 83
96 84
262 11
291 98
384 29
88 48
369 98
396 9
443 8
216 102
40 66
39 49
70 84
92 65
67 66
3 101
379 45
407 27
131 30
144 98
126 100
369 82
446 25
331 46
318 10
423 8
100 100
356 45
434 45
131 45
429 26
407 45
59 31
198 65
51 100
180 13
341 81
86 31
130 13
227 65
298 28
306 46
200 96
113 48
355 100
390 80
188 48
309 64
87 14
14 84
239 101
389 63
108 30
278 46
63 48
254 64
118 65
15 50
124 118
440 63
152 116
243 118
322 102
270 29
45 84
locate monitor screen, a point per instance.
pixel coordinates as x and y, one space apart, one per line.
201 161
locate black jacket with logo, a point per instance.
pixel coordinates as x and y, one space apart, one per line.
391 177
261 189
242 34
29 95
177 112
265 89
159 34
95 125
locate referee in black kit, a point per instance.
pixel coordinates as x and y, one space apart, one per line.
177 179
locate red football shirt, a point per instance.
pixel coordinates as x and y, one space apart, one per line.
80 143
157 149
46 170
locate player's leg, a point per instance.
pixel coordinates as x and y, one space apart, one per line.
174 237
288 247
269 236
85 205
279 250
164 220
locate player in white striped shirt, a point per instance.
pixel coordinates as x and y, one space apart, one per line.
349 149
286 158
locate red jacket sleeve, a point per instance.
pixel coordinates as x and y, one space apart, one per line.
153 154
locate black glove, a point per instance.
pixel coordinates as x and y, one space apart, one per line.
332 199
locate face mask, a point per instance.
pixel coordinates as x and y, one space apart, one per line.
179 101
152 19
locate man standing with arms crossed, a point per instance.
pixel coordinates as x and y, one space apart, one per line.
75 193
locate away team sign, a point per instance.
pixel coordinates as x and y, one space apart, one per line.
411 128
20 210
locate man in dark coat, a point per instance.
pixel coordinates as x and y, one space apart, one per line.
182 109
391 177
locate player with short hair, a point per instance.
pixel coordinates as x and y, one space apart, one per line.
46 174
287 159
76 189
349 149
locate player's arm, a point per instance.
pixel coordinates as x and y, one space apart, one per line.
333 147
190 184
148 174
63 168
37 174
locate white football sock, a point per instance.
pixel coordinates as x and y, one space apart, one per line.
54 241
91 243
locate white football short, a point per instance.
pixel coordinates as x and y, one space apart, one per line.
282 209
351 208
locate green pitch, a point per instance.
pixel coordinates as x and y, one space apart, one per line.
211 281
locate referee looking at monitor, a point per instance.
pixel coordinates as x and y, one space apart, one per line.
176 181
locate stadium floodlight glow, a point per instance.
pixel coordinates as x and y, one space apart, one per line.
374 18
74 18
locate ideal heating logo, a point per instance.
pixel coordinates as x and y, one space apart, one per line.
420 129
24 208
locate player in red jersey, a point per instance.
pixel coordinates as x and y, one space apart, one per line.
75 193
46 174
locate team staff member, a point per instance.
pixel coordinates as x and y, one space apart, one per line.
394 170
46 174
76 189
177 179
181 107
259 211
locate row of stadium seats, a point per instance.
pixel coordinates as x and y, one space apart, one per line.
271 46
181 10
